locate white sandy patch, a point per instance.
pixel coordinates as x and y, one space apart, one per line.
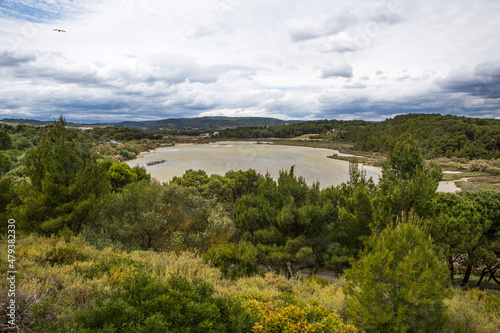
221 146
448 187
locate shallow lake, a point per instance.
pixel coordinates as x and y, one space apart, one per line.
218 158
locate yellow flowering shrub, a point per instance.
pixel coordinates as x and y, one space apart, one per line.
276 316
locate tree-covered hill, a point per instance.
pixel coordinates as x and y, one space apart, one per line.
436 134
203 123
291 130
172 124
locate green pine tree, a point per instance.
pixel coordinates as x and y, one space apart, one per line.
407 184
65 183
399 283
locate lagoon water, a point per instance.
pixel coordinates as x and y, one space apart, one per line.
218 158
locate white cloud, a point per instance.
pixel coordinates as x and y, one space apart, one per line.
312 27
357 85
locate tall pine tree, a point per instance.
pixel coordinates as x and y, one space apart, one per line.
407 184
65 183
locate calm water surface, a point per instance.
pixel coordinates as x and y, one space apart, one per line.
220 157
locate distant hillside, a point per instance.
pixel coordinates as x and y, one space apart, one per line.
203 123
175 124
32 122
436 134
293 130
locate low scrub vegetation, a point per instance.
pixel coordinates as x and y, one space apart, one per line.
66 285
91 290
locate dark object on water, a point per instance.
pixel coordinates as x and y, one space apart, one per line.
58 30
155 162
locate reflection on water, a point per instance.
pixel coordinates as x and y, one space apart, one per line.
220 157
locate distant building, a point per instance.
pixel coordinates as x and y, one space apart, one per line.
113 143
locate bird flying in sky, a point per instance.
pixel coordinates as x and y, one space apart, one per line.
58 30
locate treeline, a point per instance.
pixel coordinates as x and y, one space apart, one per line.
15 141
289 131
200 123
437 135
122 134
35 161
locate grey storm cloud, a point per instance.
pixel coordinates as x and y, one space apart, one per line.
166 70
362 105
488 68
339 70
11 59
483 82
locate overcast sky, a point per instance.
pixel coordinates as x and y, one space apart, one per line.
290 59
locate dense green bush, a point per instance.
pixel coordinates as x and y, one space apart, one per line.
65 254
145 216
74 297
5 140
178 305
437 135
318 280
127 153
234 260
112 264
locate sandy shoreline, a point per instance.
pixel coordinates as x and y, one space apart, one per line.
185 144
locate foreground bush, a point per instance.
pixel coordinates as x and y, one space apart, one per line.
234 260
473 311
399 284
289 315
178 305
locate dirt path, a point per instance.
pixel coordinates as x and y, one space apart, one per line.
466 179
